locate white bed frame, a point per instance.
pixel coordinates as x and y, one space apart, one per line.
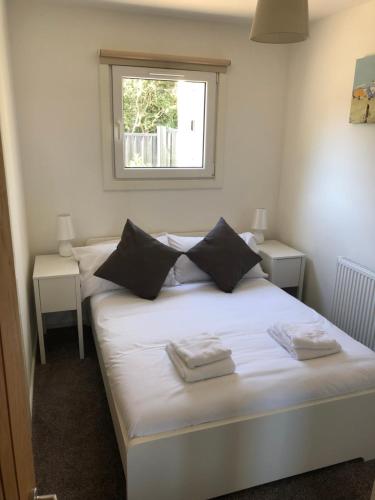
213 459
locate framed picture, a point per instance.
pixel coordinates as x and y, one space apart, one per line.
363 97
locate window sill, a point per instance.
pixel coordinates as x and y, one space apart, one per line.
112 184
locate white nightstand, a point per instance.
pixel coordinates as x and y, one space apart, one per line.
56 288
284 264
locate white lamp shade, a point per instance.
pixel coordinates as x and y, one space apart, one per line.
260 219
65 230
280 21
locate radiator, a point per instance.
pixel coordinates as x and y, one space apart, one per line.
353 308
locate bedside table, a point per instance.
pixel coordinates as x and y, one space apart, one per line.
284 264
56 288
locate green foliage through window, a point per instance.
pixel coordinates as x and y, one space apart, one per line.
148 104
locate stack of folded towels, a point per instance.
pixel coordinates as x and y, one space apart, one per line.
304 340
200 357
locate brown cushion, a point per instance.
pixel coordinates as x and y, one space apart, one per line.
140 263
224 256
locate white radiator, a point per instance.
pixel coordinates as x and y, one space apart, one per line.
353 308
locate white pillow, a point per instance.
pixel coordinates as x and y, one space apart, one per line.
185 270
170 280
188 272
256 271
91 257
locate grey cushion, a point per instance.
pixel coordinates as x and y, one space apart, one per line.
140 263
224 256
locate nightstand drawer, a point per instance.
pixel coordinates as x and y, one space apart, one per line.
57 294
286 272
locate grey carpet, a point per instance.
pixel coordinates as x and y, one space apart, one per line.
76 454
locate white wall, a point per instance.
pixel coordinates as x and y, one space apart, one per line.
327 194
15 192
54 52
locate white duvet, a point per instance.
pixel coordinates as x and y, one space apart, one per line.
152 398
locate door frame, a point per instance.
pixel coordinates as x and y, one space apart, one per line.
17 476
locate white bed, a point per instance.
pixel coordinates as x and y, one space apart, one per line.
273 418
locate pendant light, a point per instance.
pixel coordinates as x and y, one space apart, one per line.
280 21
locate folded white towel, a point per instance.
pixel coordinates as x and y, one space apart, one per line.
304 340
201 350
306 335
217 369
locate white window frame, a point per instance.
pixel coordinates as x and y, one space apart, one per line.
114 183
208 168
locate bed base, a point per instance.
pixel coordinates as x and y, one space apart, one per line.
213 459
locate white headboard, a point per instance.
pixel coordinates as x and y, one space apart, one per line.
102 239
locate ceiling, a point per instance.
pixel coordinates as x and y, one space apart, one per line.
230 9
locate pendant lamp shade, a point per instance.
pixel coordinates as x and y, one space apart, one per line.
280 21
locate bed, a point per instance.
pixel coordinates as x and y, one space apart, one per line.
274 418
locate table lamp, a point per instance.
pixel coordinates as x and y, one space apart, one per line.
259 224
65 234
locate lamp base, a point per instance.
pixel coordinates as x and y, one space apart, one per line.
65 248
259 236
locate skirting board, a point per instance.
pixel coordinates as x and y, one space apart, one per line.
32 375
213 459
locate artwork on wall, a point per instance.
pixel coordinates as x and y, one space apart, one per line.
363 98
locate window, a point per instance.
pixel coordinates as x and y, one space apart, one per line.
164 123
